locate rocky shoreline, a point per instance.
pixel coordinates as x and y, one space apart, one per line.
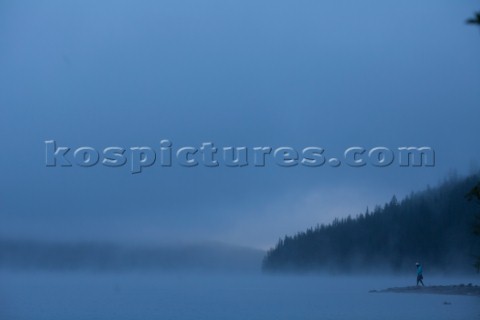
461 289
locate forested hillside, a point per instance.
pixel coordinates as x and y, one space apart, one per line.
434 226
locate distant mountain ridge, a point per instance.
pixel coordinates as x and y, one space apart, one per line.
434 226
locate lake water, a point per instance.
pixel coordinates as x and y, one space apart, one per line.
73 296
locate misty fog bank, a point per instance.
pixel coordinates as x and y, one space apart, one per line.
33 256
106 257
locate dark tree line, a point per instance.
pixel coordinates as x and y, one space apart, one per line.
434 226
475 194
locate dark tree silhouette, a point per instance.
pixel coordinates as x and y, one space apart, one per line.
475 20
475 192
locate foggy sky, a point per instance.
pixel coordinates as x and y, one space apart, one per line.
332 74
